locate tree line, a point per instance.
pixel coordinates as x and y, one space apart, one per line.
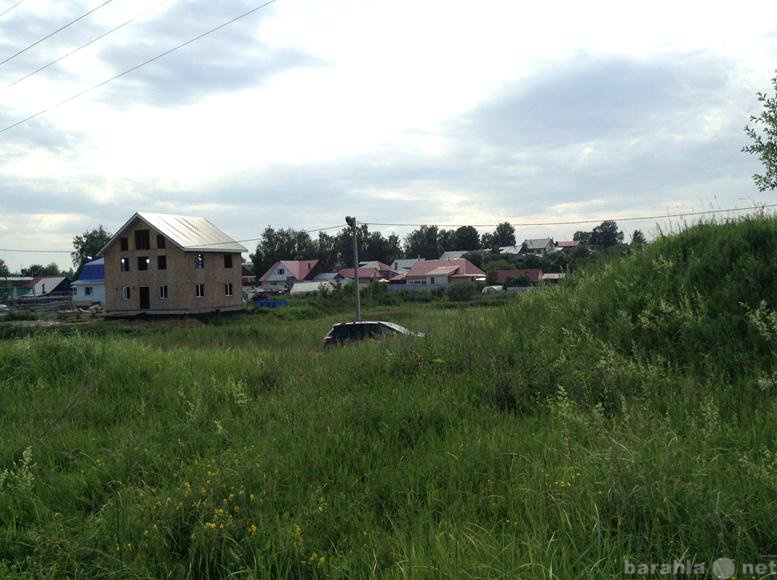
85 248
429 242
335 250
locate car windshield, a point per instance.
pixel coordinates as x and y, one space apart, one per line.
396 327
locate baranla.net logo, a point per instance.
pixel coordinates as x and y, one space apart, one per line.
722 568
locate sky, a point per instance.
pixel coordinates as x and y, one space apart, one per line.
396 112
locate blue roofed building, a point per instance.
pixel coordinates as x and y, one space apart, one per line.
90 287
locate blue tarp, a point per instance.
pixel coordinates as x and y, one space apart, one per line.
271 303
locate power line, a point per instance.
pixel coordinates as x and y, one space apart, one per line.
75 50
589 221
137 66
27 251
259 238
60 29
7 10
35 251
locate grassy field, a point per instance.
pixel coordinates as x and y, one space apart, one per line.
628 416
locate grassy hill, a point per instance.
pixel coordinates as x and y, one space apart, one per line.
628 416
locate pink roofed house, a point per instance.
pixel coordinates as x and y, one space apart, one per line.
285 273
534 275
372 271
430 274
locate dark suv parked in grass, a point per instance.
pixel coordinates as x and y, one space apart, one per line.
352 331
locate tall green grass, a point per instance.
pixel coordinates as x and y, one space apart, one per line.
629 414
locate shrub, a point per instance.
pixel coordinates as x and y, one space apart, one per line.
517 281
462 291
416 296
494 267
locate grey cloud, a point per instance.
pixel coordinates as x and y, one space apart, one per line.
21 28
590 99
37 133
516 156
526 141
229 59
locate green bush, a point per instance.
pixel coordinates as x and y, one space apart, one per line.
416 296
462 291
494 267
517 281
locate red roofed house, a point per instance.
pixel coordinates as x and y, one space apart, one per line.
431 274
369 271
284 274
567 247
534 274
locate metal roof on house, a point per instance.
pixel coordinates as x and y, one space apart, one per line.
326 276
191 234
92 273
462 267
405 263
569 244
537 243
44 286
363 273
442 271
453 255
374 264
310 287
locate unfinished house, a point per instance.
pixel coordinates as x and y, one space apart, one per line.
169 264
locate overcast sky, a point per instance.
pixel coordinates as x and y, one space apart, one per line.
422 112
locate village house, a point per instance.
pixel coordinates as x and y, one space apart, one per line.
458 254
539 247
312 287
404 264
50 286
284 274
90 287
248 274
535 275
333 278
372 272
453 254
553 277
567 247
12 287
169 264
431 274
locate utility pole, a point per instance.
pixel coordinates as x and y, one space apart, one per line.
351 221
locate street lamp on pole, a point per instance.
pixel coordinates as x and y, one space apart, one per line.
351 221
